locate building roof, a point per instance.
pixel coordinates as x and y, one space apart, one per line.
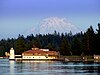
41 51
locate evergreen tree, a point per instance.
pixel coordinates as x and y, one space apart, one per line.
2 51
20 45
97 40
50 47
36 42
65 47
76 47
89 41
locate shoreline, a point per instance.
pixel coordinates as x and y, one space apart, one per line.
62 58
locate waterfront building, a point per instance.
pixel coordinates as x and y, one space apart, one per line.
97 57
12 54
40 54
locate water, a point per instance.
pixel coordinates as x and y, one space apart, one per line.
48 68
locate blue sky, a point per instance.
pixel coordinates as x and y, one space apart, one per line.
20 16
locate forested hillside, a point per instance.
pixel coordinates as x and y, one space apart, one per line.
83 43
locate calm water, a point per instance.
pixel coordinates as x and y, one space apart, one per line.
48 68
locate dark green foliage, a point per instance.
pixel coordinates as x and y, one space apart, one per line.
65 47
2 50
50 46
90 40
97 40
20 45
76 46
87 43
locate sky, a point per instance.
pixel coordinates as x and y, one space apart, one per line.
26 17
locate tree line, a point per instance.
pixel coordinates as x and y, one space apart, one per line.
87 43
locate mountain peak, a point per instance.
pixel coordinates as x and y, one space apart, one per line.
49 25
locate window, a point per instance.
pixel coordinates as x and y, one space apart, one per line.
46 57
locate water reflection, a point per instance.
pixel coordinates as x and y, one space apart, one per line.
38 68
60 68
49 68
11 67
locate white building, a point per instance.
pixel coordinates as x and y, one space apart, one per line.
12 54
40 54
97 57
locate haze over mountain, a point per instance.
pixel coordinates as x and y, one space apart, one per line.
51 24
62 25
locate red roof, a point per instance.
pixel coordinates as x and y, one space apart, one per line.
40 51
36 51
